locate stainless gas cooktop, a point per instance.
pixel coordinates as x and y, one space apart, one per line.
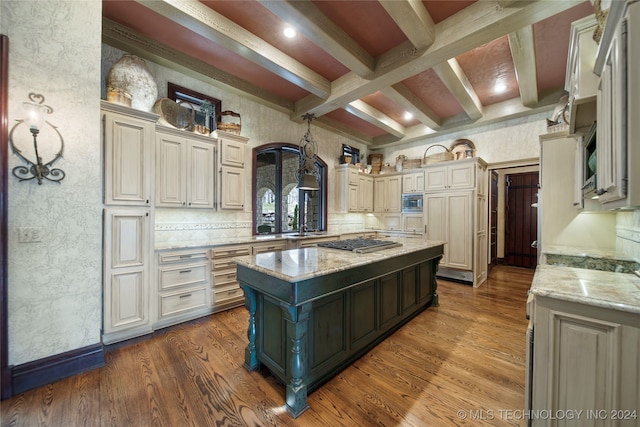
360 245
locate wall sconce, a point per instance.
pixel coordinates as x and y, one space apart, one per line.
308 176
34 116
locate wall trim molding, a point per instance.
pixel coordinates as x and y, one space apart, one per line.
44 371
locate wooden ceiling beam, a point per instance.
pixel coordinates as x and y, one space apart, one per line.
204 21
323 32
524 61
458 84
402 96
124 38
413 19
371 115
473 26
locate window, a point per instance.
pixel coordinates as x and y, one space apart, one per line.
279 206
179 93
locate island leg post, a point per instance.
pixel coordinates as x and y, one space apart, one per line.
250 355
297 324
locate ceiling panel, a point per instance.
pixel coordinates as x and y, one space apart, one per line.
487 66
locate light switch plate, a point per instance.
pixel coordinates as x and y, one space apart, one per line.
30 234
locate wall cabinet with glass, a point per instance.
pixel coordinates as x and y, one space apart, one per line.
184 169
618 154
232 150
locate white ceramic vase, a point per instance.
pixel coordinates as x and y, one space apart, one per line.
130 74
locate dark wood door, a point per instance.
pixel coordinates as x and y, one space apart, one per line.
493 219
521 228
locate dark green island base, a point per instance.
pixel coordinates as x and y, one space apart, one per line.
314 311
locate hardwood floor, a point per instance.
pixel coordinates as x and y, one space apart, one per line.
461 363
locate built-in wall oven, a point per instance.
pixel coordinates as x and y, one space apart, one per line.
412 203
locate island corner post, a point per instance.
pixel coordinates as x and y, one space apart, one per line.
305 330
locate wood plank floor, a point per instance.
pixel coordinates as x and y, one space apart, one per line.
461 363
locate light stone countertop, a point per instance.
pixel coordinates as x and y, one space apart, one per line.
302 264
617 291
187 244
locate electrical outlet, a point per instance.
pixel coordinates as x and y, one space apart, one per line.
30 234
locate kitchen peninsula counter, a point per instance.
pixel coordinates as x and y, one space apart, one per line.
314 311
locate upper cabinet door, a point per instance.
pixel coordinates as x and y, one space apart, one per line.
201 175
232 153
171 171
128 144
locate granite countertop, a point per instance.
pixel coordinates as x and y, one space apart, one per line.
186 244
302 264
617 291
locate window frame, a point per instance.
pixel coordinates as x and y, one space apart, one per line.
280 147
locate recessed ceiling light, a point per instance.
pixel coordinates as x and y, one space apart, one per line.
408 115
499 87
289 32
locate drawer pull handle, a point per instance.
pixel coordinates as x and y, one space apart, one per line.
185 271
185 256
185 296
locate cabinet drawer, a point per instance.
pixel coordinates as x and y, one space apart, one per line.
182 256
223 264
227 294
222 278
274 246
181 275
230 251
174 303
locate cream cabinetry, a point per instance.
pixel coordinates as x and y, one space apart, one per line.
455 206
585 358
184 169
126 273
271 246
183 291
365 193
456 175
347 189
387 193
449 218
618 177
580 80
413 223
128 144
413 182
226 289
128 148
232 170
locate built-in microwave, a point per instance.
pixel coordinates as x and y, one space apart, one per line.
589 162
412 202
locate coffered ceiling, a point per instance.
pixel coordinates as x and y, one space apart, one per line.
360 66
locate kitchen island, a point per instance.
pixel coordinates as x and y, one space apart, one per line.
314 311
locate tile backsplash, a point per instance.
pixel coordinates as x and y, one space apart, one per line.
628 233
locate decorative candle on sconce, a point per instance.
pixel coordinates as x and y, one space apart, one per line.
34 117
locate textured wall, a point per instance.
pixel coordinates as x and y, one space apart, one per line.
511 140
262 125
55 289
628 233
